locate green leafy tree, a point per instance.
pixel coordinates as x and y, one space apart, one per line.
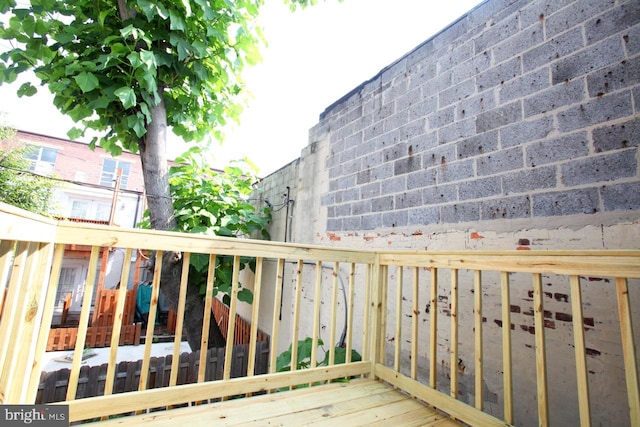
215 203
19 187
129 69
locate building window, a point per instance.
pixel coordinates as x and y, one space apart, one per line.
79 209
109 172
103 211
90 209
66 284
42 159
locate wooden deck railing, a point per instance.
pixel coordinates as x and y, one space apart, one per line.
438 325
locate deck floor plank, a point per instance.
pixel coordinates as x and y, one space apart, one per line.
359 402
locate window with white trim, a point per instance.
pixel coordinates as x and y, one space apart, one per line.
90 209
109 172
66 284
42 159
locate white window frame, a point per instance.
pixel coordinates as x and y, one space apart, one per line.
35 155
108 176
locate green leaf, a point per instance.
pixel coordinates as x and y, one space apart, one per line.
99 103
137 123
103 15
149 59
75 133
26 89
340 356
177 23
127 96
87 81
134 59
200 262
245 295
6 4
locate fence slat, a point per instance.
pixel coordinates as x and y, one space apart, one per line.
398 332
316 315
255 312
414 323
296 316
153 308
232 315
349 308
83 322
277 307
506 347
581 360
628 350
334 314
453 369
477 288
182 298
541 360
117 324
433 343
206 322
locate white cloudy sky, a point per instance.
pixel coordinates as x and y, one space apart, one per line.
314 57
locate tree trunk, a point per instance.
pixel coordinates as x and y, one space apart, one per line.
155 171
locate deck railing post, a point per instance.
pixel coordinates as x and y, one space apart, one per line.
628 350
23 318
375 319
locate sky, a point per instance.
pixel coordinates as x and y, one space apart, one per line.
314 57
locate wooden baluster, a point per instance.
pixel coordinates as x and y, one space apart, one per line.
477 288
541 361
398 332
255 311
334 311
296 317
83 324
231 328
383 315
414 323
628 350
350 305
433 320
454 334
275 324
366 330
316 315
206 321
581 358
506 348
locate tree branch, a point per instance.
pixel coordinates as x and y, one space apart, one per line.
125 12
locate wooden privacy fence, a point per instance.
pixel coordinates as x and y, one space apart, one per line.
242 328
91 381
96 337
105 307
101 329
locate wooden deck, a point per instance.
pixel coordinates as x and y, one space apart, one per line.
402 315
360 402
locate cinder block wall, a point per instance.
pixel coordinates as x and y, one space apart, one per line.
516 127
519 110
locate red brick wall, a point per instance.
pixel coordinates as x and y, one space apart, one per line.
78 157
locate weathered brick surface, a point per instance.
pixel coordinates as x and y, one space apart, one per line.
520 109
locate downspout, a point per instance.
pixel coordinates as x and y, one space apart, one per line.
287 237
135 215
